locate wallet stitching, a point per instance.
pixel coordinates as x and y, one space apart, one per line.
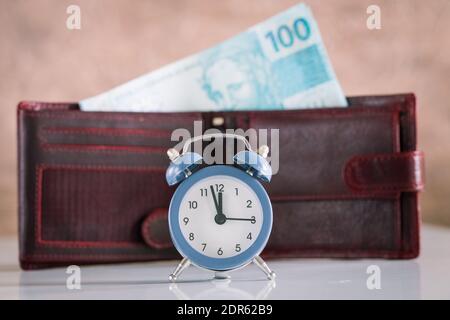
344 112
337 197
114 132
412 132
395 135
36 106
71 243
139 117
92 256
336 252
99 148
144 255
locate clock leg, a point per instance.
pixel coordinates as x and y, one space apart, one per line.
264 267
220 275
180 268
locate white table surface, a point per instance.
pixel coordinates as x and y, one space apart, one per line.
427 277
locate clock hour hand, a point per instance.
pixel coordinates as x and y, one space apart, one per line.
219 217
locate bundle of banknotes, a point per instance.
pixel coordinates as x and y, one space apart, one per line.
280 63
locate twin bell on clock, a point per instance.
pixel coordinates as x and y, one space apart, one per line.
220 216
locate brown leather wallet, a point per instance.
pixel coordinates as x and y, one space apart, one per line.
92 187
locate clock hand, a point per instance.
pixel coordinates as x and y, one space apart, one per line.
242 219
220 202
216 203
219 217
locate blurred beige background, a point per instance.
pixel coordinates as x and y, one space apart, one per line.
41 59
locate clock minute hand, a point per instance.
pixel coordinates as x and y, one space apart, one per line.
242 219
221 203
219 218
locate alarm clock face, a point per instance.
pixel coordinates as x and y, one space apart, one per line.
220 218
225 229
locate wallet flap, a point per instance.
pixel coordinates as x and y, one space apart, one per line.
393 172
316 145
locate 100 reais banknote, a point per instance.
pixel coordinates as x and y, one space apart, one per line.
280 63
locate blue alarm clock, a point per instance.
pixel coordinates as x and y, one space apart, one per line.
220 216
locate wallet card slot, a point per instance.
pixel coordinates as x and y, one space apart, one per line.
101 155
86 206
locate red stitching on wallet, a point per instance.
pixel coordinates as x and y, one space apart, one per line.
398 222
275 252
102 148
39 106
395 132
110 131
94 257
411 131
138 117
91 244
311 113
38 196
80 244
102 167
331 197
336 252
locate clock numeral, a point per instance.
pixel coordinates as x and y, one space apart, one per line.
204 246
237 191
220 252
185 220
203 192
219 187
249 203
238 247
191 236
253 220
193 204
249 236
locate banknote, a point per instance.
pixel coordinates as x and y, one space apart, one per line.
280 63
